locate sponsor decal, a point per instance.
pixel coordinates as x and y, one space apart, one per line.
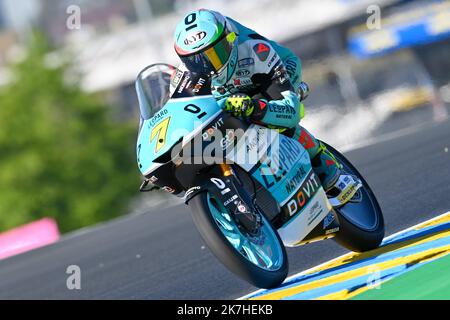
231 65
168 189
306 140
283 116
314 212
272 60
195 37
242 73
282 109
289 152
347 194
278 161
199 85
270 171
246 62
191 190
230 200
307 190
210 131
157 117
153 179
291 67
262 51
242 208
242 82
246 81
183 84
328 220
262 104
177 78
294 182
334 230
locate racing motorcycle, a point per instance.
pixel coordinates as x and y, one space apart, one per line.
252 191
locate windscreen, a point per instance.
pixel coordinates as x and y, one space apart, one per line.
153 88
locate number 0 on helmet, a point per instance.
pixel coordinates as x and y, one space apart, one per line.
204 42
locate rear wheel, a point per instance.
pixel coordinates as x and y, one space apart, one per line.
259 259
361 219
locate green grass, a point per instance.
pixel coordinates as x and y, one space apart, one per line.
428 282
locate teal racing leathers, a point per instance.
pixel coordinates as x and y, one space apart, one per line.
272 73
272 76
267 70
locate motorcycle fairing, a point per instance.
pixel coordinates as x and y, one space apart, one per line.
305 218
278 162
181 118
284 168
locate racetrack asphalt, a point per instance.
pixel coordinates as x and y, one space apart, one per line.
160 255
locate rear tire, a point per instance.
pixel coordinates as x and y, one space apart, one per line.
222 248
356 239
352 236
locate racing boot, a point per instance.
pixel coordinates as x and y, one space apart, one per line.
339 186
324 164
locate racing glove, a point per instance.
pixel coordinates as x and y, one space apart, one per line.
239 105
303 91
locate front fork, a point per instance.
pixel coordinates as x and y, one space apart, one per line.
236 200
239 202
227 190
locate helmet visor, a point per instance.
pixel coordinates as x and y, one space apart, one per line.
212 59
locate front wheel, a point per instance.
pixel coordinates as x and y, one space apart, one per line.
361 219
261 260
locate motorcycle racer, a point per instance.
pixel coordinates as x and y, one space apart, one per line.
261 80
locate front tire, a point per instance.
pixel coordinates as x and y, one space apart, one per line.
207 215
361 224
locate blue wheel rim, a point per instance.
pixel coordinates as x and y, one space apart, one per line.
264 250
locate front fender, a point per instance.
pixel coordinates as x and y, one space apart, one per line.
194 191
224 189
234 198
